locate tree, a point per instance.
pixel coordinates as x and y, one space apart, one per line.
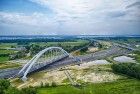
84 49
41 84
100 45
35 49
54 84
46 85
4 85
130 69
12 90
29 90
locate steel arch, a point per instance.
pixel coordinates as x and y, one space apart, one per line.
25 70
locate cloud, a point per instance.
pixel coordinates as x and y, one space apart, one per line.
20 23
86 9
35 19
73 11
76 17
116 14
136 4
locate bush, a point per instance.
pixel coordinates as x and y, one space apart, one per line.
54 84
41 84
12 90
84 49
4 85
29 90
130 69
6 88
46 85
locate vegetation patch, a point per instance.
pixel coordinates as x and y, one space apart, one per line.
137 56
8 65
127 86
4 58
130 69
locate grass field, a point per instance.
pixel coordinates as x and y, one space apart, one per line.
7 45
7 51
126 86
3 58
76 43
5 65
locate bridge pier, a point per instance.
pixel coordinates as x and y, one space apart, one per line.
24 78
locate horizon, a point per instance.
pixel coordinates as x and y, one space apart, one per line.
70 35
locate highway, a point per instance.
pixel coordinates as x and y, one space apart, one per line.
114 50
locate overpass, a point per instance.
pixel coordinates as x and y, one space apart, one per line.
55 57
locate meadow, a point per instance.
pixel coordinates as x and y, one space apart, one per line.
125 86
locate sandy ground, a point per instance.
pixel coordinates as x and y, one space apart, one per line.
91 63
96 72
21 61
92 49
41 77
98 77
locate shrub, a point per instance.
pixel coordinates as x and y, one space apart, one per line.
130 69
12 90
29 90
41 84
54 84
4 85
6 88
46 85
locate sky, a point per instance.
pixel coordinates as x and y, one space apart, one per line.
69 17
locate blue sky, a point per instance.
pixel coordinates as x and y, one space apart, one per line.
69 17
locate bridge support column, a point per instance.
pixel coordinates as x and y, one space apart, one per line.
24 78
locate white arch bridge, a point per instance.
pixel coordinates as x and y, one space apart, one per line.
54 57
42 59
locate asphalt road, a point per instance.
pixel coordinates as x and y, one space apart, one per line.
114 50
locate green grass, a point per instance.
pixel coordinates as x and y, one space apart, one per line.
3 58
5 65
7 51
7 45
126 86
77 43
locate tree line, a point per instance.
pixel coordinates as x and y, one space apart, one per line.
130 69
7 88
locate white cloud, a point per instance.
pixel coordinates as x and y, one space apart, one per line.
84 9
78 17
35 19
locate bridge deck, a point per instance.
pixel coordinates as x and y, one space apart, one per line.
115 50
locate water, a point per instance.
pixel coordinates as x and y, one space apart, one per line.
124 59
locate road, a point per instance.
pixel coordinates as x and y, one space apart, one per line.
114 50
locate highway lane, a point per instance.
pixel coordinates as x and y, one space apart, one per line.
114 50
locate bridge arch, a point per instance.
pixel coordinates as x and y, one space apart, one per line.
27 67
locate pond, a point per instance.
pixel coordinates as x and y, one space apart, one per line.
124 59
